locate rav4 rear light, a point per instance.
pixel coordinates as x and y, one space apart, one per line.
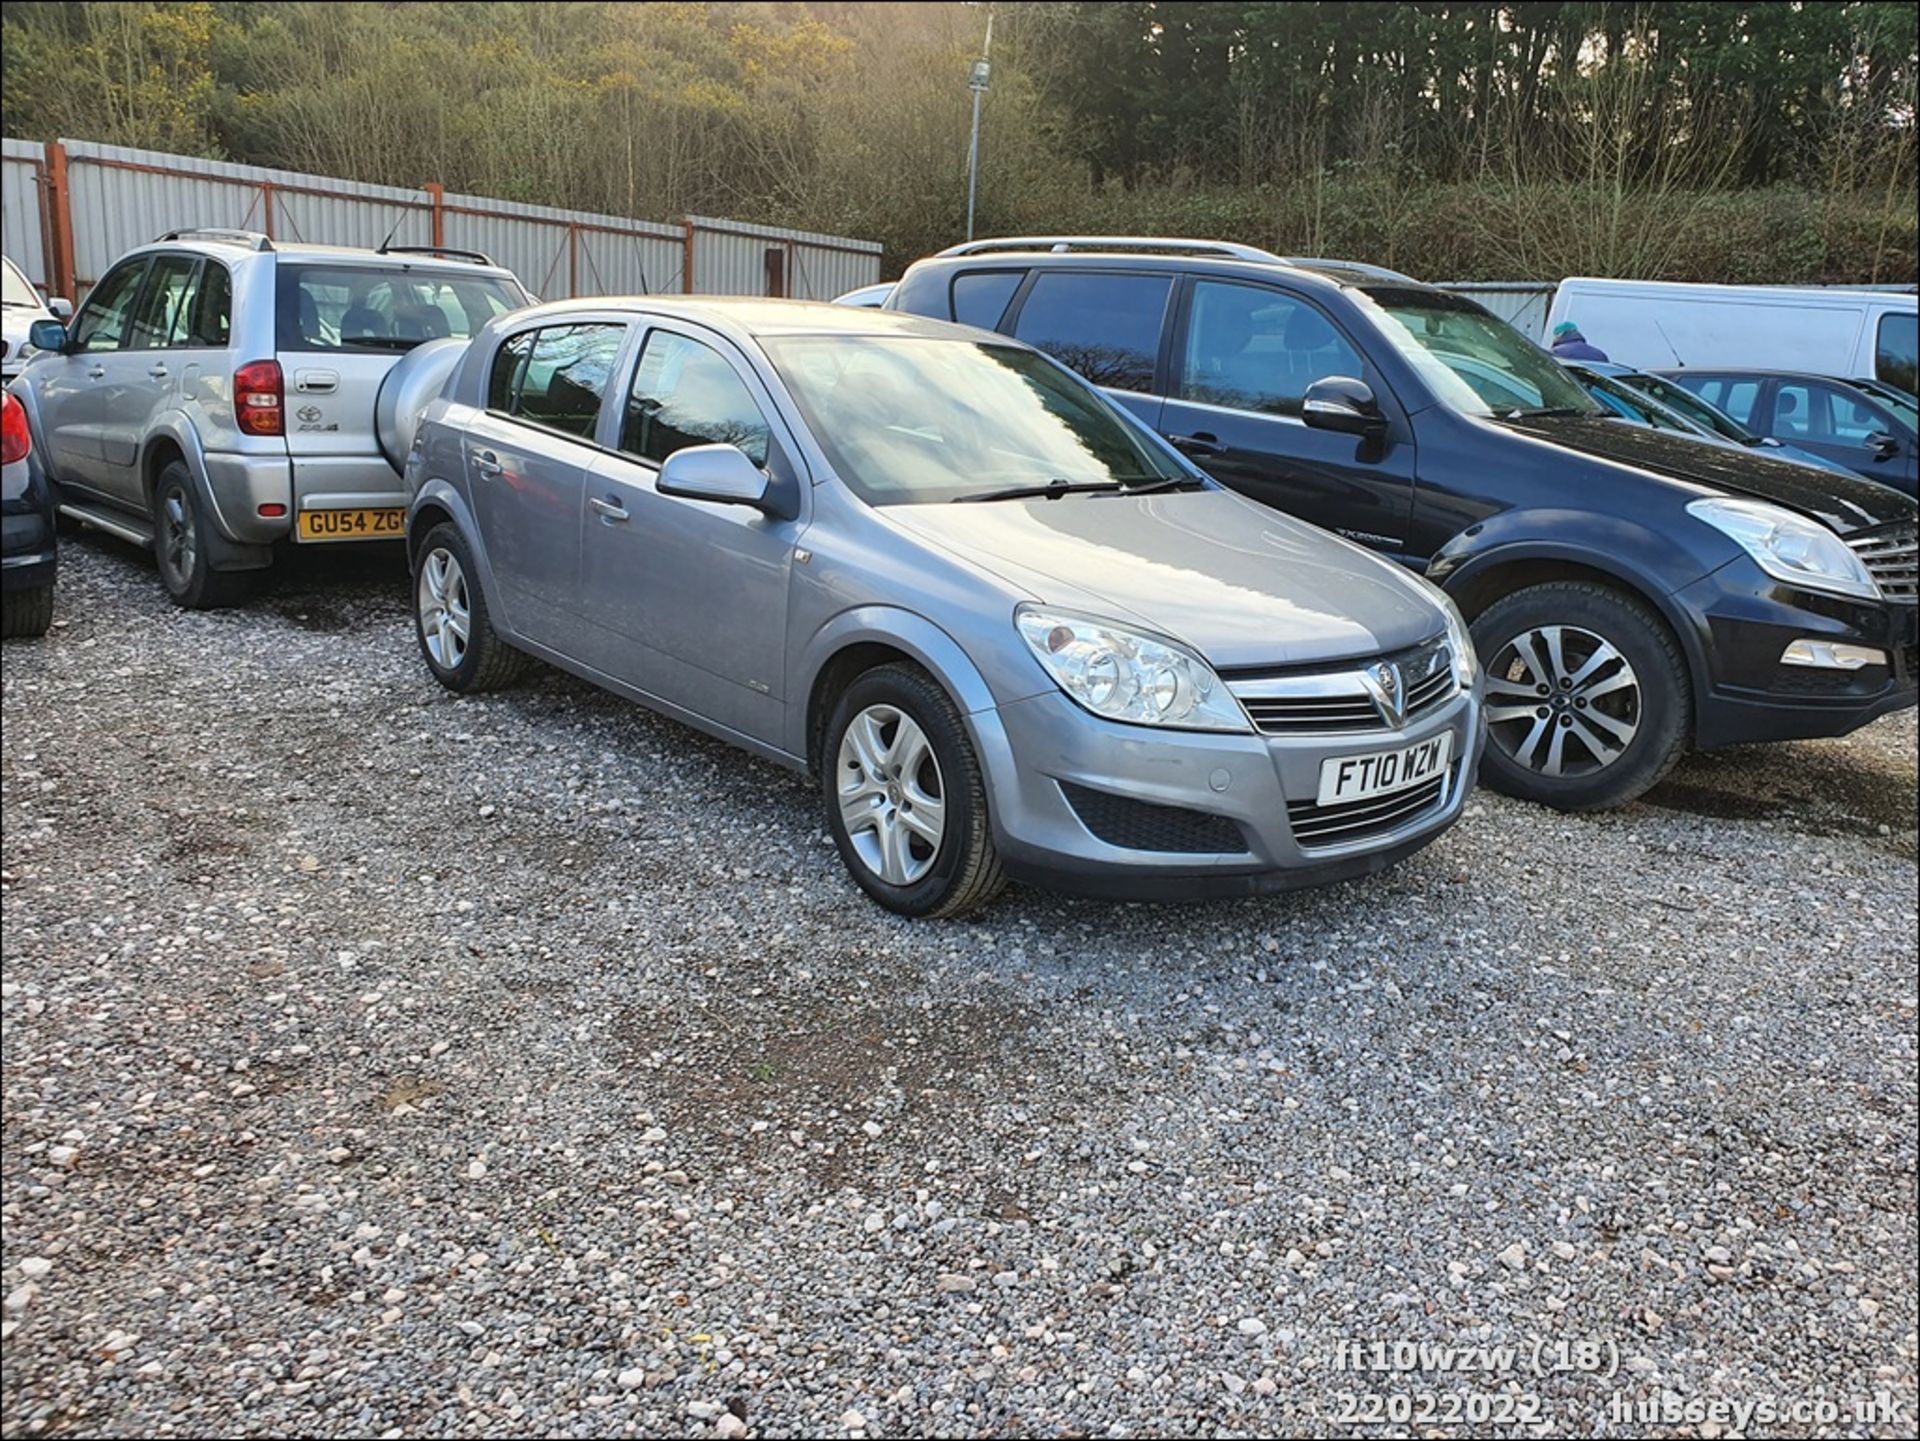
15 439
257 395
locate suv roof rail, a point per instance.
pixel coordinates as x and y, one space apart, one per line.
252 239
472 255
1378 272
1230 248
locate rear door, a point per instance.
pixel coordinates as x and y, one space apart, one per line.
142 378
1242 358
527 460
339 328
1839 423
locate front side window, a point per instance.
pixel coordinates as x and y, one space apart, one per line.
163 304
1252 348
102 322
913 421
1803 410
1894 352
352 308
686 393
1472 362
556 377
1105 327
980 297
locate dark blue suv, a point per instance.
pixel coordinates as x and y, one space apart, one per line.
1632 592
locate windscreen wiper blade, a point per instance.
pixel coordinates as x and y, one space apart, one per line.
1052 490
1159 483
1550 412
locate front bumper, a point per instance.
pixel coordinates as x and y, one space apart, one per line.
1745 619
1052 763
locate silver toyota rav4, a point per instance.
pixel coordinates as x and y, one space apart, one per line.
216 393
1013 632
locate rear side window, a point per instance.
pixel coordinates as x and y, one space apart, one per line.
1894 352
209 314
1735 397
1106 326
348 308
555 377
685 393
980 298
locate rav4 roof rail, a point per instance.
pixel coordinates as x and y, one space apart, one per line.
252 239
474 255
1115 242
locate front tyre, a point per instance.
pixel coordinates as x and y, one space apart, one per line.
1589 701
181 546
905 798
456 635
27 612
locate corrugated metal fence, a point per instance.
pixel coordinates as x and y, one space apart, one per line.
73 207
1523 304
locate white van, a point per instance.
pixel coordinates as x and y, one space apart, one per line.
1654 324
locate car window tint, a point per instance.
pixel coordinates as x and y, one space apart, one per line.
1894 352
980 298
343 307
686 393
504 379
163 303
565 375
1256 349
1735 397
1106 327
1849 415
102 322
1793 412
209 315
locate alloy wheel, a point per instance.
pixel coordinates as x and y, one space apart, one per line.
446 620
1562 701
892 800
177 544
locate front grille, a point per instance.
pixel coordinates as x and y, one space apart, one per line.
1891 554
1143 826
1315 825
1338 702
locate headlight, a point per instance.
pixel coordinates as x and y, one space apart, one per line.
1466 664
1127 675
1789 548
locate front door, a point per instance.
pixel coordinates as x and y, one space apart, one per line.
1841 424
1243 357
141 376
72 389
688 598
527 462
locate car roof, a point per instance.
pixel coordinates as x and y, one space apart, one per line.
1755 372
760 318
303 250
1335 273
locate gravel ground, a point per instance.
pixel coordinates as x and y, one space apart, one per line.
382 1062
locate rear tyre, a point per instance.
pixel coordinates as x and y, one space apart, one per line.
1589 700
905 798
25 613
456 635
181 535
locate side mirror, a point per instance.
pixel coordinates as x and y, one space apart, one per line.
1342 403
60 308
719 473
47 335
1883 446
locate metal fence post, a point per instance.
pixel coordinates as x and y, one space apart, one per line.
437 197
63 280
686 264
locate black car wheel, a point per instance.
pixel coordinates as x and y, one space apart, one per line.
1588 699
27 612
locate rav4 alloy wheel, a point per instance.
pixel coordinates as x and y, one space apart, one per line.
180 547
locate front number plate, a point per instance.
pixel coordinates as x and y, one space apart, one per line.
1359 778
380 524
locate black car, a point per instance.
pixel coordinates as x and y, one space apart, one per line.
27 546
1869 431
1632 592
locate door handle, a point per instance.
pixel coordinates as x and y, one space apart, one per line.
158 372
94 372
610 509
1200 443
486 463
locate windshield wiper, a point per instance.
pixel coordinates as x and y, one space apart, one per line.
1155 484
1052 490
1548 412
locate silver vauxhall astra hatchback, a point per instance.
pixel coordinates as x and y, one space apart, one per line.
1013 632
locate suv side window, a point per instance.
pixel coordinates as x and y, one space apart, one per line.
556 377
102 322
1251 348
169 292
1896 352
1104 325
686 393
980 297
208 318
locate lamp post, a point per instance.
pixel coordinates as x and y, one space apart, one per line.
977 80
